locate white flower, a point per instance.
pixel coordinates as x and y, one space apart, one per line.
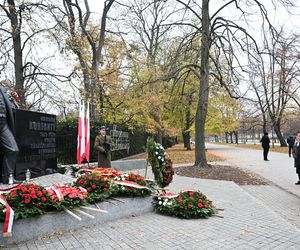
165 153
157 147
156 153
159 157
162 159
169 203
160 202
159 198
123 188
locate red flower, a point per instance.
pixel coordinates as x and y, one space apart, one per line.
44 199
190 198
191 193
80 182
189 206
27 201
39 193
88 189
25 196
38 204
33 196
44 191
199 201
90 177
180 200
23 189
205 206
200 205
104 189
94 186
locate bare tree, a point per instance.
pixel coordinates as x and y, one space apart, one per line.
277 77
87 41
221 38
21 25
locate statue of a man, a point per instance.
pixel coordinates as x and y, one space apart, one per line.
8 144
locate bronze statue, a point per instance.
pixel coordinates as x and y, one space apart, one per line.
8 144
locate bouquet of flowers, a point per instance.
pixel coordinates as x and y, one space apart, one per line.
96 186
67 196
186 204
161 166
28 200
131 184
106 173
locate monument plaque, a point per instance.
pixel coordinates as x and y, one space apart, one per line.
36 137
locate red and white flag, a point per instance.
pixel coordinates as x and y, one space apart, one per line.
87 133
81 135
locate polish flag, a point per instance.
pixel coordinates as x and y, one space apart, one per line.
81 136
87 133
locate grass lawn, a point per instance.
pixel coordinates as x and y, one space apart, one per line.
179 154
258 147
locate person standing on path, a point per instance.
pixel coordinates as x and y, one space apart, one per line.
102 145
296 155
265 143
290 141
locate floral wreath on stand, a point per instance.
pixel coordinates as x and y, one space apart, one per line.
161 165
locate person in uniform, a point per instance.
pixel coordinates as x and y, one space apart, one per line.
103 147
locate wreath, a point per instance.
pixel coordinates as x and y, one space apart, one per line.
96 185
186 204
133 185
161 165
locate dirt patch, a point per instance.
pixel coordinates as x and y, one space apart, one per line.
226 173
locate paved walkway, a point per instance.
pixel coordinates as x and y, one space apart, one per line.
280 169
247 224
254 217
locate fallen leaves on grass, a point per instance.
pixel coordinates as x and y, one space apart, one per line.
226 173
179 154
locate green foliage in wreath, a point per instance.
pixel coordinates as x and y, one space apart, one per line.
119 190
28 200
188 204
97 187
161 166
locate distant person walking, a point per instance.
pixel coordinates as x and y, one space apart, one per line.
296 155
265 143
290 141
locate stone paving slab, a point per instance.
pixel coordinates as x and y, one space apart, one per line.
285 204
279 170
247 224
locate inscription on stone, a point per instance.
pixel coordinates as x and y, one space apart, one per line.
36 138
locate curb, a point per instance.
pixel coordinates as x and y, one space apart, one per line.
32 228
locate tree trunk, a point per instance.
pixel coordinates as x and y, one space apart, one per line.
187 134
231 139
236 137
200 156
18 54
277 130
226 137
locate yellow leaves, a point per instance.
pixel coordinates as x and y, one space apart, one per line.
223 112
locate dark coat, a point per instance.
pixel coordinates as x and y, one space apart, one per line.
9 114
102 146
265 141
296 155
290 140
